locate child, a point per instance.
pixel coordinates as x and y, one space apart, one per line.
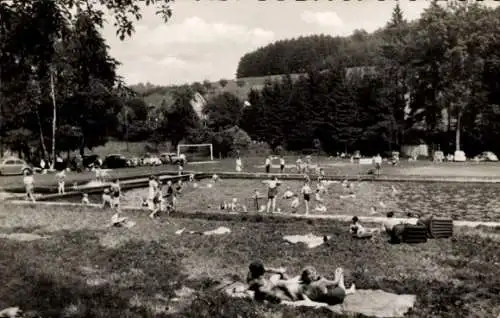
272 192
181 168
61 175
257 196
170 196
282 164
156 206
85 199
115 194
29 185
239 165
306 192
321 174
145 202
318 197
106 199
295 203
288 193
298 164
268 164
153 188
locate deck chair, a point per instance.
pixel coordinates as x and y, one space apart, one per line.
441 228
414 234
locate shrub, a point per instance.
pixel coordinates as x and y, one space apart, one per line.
223 82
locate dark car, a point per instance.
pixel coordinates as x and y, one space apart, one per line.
90 160
115 161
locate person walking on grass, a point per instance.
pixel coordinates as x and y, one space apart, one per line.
282 164
306 193
268 164
272 193
29 185
61 176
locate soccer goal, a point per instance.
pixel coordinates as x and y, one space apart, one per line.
196 152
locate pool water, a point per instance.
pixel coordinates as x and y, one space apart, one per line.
464 201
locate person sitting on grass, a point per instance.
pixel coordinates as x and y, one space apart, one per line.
85 199
106 199
394 228
115 194
317 196
295 203
359 231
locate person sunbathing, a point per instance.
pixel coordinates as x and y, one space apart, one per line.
265 289
359 231
319 289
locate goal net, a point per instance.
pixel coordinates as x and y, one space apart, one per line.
196 152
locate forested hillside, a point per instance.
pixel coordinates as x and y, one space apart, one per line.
310 52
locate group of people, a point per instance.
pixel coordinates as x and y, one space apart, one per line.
306 193
308 286
161 199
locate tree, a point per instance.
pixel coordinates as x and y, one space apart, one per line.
223 111
223 82
181 117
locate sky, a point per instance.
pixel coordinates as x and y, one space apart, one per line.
205 39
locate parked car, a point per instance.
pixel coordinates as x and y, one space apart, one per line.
172 157
115 161
486 156
90 160
151 160
134 162
14 166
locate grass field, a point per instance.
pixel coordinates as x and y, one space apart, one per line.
91 271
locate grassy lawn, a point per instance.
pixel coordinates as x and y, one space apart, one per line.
91 271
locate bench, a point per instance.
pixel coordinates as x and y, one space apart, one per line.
414 234
441 228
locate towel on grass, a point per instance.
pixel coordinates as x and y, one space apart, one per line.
218 231
310 239
371 303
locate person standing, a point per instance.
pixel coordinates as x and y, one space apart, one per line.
272 193
61 176
306 193
29 185
239 164
378 163
115 194
268 164
282 164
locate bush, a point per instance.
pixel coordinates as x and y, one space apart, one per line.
240 83
223 82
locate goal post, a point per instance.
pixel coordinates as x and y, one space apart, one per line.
190 146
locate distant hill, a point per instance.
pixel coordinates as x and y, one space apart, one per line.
156 95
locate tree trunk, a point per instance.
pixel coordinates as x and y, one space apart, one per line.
457 132
42 139
54 118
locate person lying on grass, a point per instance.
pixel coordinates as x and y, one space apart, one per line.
359 231
314 288
309 286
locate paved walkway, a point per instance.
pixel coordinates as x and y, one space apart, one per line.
341 217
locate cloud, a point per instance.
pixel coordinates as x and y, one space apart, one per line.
324 19
192 50
195 30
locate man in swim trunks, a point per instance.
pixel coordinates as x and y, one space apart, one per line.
272 193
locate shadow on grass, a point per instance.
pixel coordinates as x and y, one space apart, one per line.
46 276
